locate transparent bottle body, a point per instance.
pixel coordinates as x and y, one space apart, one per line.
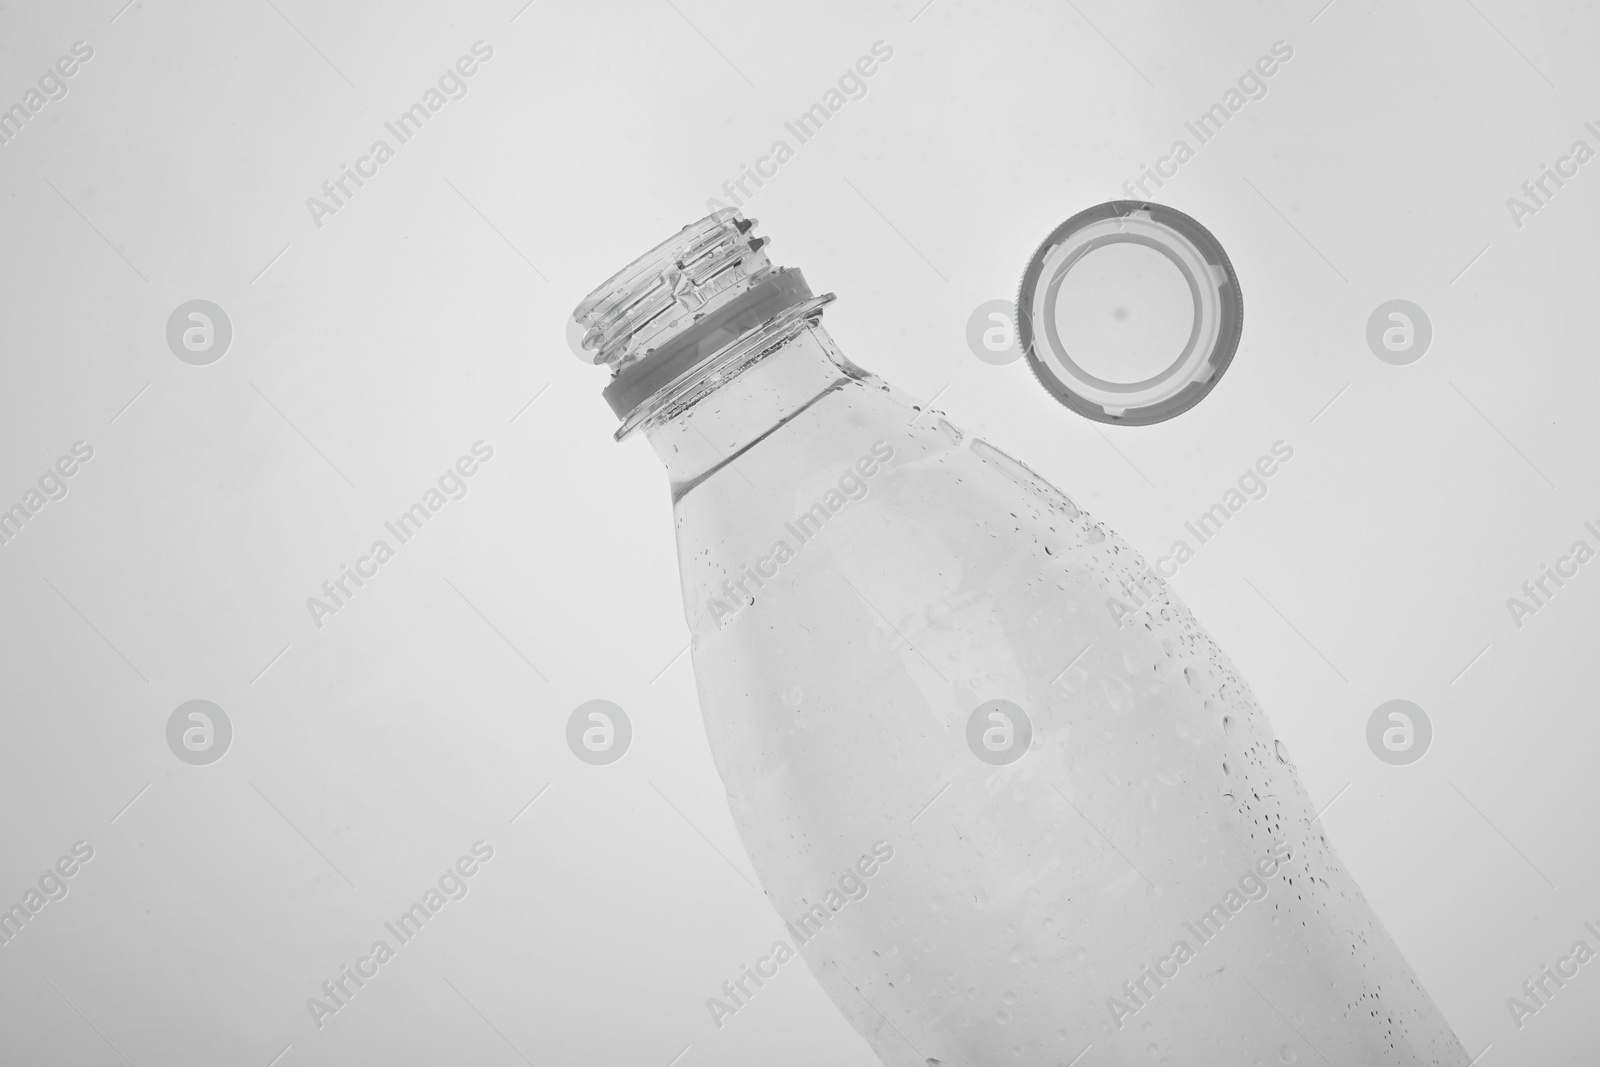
1023 902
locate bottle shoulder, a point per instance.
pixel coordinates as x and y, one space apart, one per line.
843 493
862 435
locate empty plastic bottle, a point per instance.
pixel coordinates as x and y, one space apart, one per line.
905 641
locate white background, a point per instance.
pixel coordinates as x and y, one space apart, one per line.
370 352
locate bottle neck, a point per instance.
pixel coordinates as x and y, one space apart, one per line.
742 405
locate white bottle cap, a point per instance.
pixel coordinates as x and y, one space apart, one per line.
1129 312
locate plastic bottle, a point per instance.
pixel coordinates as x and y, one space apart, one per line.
908 643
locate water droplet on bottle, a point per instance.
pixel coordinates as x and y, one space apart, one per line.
1094 535
1131 662
1075 678
793 696
1009 997
1229 727
940 616
1002 1016
1192 676
1287 1054
1282 751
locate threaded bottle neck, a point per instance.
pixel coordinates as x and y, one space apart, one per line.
690 314
645 305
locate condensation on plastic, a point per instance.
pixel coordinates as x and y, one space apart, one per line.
836 678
